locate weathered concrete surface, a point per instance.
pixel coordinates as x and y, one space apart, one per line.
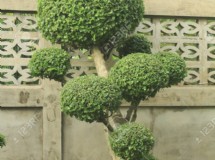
23 131
181 134
178 132
182 96
52 121
84 141
27 96
21 5
187 8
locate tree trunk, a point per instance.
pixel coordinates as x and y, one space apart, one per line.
99 61
102 71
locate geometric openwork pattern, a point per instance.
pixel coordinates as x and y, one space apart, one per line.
18 39
81 64
193 39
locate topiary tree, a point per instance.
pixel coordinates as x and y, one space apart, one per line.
91 24
135 43
2 141
52 63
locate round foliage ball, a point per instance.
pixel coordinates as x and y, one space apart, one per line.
2 141
90 98
132 141
139 76
85 23
175 65
136 43
52 63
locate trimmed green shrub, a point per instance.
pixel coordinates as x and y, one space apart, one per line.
175 65
52 63
132 141
136 43
90 98
87 23
139 76
2 141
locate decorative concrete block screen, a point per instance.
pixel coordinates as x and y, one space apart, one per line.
192 38
19 39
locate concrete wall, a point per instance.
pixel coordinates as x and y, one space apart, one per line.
84 141
181 133
23 131
187 8
183 130
30 119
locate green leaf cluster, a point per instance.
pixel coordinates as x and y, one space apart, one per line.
175 65
2 141
132 141
52 63
90 98
86 23
135 43
139 76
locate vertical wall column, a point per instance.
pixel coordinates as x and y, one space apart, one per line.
52 148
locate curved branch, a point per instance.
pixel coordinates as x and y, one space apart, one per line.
131 109
118 118
134 116
108 125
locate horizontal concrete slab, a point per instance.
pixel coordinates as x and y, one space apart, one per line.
190 8
21 96
186 96
18 5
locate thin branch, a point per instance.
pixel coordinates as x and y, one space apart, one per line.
129 113
108 125
131 109
134 116
118 118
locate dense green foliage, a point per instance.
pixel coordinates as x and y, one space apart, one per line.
132 141
86 23
52 63
90 98
2 141
136 43
139 76
175 65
